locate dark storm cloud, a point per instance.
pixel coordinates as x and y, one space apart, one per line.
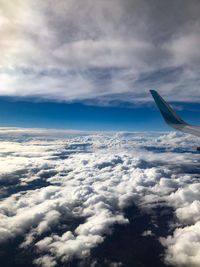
42 40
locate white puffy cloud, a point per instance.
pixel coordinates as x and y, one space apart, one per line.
70 190
45 261
183 248
147 233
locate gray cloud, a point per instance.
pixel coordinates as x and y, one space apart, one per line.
62 51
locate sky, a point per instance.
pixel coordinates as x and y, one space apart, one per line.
107 197
78 116
80 64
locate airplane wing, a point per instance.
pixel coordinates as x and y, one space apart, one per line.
171 118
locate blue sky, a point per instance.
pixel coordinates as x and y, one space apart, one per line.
101 53
31 113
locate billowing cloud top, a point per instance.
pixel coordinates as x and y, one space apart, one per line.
78 50
61 197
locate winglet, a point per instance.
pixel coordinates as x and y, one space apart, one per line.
167 112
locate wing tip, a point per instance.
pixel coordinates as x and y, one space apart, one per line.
167 112
153 92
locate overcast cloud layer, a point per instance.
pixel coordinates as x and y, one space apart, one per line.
90 50
63 196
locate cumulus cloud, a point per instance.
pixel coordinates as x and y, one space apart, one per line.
183 247
86 191
99 50
147 233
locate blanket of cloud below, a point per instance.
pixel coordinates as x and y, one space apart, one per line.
62 195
